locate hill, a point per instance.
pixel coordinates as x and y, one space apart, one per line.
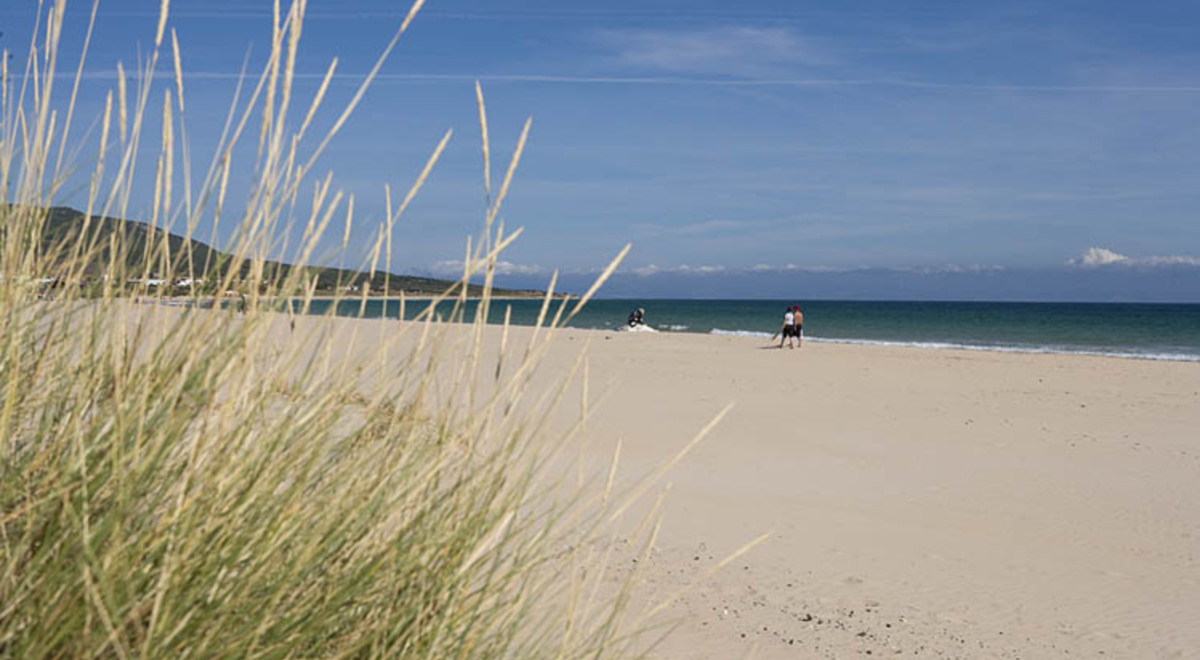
208 263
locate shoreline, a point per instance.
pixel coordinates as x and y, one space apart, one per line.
983 348
1117 353
932 348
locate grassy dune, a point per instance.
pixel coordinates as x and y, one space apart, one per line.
180 484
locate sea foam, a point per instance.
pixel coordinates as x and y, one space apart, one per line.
739 333
1037 350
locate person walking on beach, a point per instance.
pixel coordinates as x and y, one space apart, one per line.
789 320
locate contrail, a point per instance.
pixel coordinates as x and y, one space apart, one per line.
540 15
683 81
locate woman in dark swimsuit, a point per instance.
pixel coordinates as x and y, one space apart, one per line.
789 327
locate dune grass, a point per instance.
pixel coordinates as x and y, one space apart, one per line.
187 482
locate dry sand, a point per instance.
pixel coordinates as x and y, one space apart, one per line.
929 503
922 503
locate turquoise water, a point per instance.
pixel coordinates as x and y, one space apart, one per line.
1148 331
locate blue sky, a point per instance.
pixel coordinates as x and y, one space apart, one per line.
731 140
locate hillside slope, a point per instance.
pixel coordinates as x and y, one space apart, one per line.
206 262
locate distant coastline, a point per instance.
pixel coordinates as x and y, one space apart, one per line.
208 265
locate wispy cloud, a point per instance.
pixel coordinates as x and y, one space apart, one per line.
454 268
721 50
1097 257
683 269
1093 258
703 228
710 227
952 269
727 77
783 269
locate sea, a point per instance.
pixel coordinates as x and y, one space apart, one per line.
1123 330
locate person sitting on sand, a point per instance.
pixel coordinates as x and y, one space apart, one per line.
798 325
788 327
636 317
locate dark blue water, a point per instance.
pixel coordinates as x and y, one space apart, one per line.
1151 331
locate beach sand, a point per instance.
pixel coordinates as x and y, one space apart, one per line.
922 502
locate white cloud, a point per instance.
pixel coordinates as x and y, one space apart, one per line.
1170 260
715 50
1097 257
820 269
761 269
952 268
454 268
683 269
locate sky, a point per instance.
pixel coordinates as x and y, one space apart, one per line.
981 150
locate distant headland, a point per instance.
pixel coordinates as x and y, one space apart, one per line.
202 266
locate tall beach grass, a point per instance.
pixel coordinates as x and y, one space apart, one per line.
190 482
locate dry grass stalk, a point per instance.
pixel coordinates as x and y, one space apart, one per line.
194 482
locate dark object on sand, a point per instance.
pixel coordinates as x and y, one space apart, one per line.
636 317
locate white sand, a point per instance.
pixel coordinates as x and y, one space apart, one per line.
930 502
